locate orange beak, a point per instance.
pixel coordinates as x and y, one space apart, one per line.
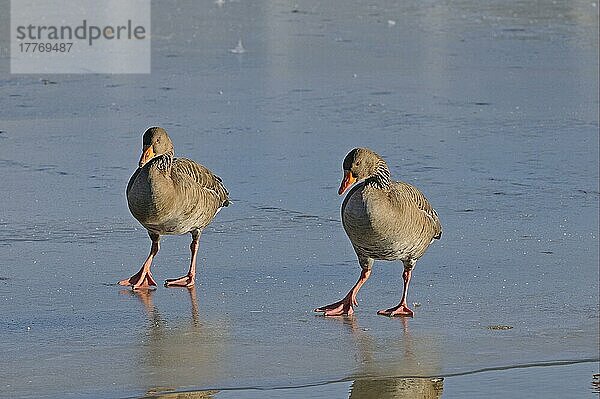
147 154
346 182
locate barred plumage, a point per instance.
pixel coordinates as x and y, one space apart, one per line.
381 177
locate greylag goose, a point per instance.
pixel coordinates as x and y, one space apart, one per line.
385 220
169 195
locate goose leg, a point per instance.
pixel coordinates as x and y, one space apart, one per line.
143 278
402 309
189 279
346 305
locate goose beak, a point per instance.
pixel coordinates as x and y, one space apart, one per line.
147 154
346 182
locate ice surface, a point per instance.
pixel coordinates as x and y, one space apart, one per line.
491 109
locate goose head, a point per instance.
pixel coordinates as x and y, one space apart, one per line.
359 164
156 142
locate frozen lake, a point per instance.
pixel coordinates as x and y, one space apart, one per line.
491 109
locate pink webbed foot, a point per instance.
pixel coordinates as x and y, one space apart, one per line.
345 307
185 281
400 310
140 280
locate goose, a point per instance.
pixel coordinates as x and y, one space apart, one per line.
169 195
384 220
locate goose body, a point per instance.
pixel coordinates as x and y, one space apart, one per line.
384 220
396 223
169 195
175 199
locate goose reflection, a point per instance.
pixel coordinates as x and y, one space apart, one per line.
406 356
178 355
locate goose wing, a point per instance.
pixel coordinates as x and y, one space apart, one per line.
187 173
408 194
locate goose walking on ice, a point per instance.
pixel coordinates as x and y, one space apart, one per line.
169 195
385 220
